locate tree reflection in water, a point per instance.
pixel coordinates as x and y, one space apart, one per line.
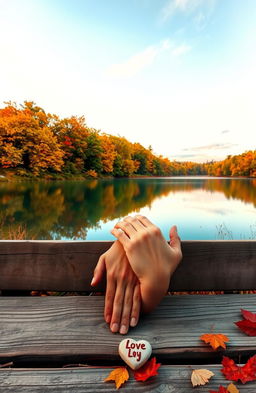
67 209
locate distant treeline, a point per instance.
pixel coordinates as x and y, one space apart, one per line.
36 143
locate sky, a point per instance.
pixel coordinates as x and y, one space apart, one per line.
179 75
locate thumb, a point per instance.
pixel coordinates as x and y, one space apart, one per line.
98 271
174 238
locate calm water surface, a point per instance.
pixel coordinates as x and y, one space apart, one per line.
201 207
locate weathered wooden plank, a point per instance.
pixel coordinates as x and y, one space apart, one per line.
68 266
62 330
175 379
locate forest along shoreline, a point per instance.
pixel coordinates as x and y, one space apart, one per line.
38 145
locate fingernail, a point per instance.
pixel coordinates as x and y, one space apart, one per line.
123 329
133 322
108 318
114 327
93 281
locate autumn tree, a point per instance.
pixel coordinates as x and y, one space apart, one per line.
123 163
26 141
72 135
33 141
108 154
93 152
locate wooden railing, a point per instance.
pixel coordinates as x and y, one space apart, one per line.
68 266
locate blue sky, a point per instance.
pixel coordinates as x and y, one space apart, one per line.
175 74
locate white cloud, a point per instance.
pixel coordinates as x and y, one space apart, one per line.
213 146
181 50
145 58
186 6
135 63
200 21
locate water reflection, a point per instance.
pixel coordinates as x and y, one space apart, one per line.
57 210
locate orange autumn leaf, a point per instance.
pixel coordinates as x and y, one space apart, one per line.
201 376
215 340
148 370
232 388
119 375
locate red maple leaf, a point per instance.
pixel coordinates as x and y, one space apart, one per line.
248 315
234 373
221 390
247 327
248 324
148 370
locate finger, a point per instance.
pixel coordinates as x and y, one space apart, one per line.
98 271
117 308
121 236
109 299
127 307
144 220
136 306
135 223
174 238
127 228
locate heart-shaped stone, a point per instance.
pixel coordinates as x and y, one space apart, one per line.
134 353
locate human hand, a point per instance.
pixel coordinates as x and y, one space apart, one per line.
152 259
122 300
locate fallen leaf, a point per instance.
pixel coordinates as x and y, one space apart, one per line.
247 327
215 340
200 376
148 370
232 388
243 373
221 390
119 375
250 316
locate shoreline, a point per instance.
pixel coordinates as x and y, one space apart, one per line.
16 178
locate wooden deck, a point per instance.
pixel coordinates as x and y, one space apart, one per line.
40 335
174 379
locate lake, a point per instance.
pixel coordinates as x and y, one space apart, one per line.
201 207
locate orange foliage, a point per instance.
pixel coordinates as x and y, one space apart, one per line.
119 376
215 340
37 142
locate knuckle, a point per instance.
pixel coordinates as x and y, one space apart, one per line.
144 236
119 233
136 300
117 307
135 311
110 275
156 231
125 320
123 275
131 278
127 218
108 309
109 299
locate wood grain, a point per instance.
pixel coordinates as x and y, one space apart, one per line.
62 330
174 379
68 266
